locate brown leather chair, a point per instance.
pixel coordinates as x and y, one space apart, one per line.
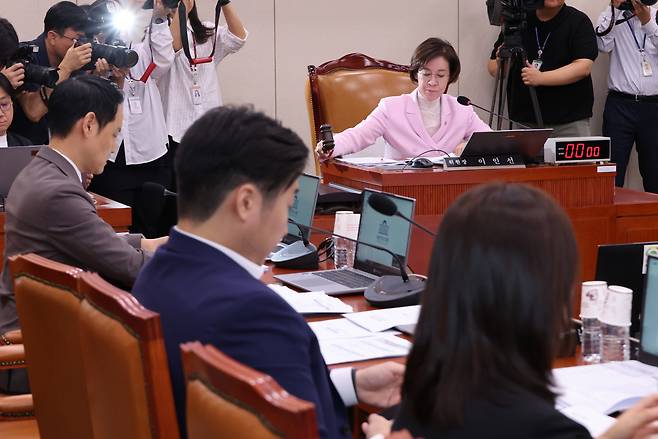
343 92
13 407
48 306
226 399
126 368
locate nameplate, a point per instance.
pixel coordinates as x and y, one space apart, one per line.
498 161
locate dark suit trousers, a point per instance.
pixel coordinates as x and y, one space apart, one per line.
628 122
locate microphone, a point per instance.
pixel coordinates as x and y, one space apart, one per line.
467 102
389 290
155 189
384 205
300 255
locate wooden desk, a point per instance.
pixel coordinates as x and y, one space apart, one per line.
599 212
114 213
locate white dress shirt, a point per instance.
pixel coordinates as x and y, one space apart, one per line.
626 74
75 167
342 378
176 85
430 112
144 135
3 141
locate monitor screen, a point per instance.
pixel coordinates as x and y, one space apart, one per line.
390 232
303 206
649 337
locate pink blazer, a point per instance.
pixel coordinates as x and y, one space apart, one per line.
398 120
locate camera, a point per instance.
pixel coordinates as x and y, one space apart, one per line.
512 15
34 73
628 5
118 56
171 4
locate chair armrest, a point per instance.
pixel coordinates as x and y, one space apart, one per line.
12 337
16 407
12 356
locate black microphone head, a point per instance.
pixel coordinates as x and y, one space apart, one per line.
153 189
382 204
464 100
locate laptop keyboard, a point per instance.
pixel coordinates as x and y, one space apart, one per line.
347 278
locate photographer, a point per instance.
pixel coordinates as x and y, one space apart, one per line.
141 156
560 45
65 22
188 90
15 73
631 109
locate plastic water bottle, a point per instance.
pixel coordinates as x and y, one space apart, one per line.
591 340
593 295
343 253
615 345
615 324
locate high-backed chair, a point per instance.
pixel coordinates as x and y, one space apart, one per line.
126 368
228 399
48 307
343 92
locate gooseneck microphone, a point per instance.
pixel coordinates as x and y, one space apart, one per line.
384 205
300 255
467 102
156 189
389 290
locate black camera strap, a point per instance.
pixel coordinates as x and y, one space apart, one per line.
182 20
614 22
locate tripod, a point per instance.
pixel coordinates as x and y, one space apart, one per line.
506 58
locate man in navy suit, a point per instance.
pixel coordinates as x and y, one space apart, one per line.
237 176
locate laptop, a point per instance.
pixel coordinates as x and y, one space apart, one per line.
392 233
12 161
649 332
621 264
301 211
527 143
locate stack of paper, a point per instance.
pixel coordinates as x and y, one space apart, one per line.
345 350
588 393
311 303
383 319
341 328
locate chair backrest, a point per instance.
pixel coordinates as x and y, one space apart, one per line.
226 399
48 305
343 92
126 368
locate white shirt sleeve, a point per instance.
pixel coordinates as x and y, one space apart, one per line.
227 43
342 379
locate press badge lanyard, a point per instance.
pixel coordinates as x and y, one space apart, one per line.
646 66
540 49
134 101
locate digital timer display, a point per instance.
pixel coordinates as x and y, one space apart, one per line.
577 150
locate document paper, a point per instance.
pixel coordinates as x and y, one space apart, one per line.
383 319
311 303
341 328
347 350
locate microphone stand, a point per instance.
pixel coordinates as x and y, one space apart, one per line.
300 255
389 290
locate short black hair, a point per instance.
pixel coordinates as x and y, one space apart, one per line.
230 146
8 41
63 15
6 86
75 97
498 297
430 49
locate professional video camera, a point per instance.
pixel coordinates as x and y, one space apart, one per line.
628 5
118 56
34 73
512 15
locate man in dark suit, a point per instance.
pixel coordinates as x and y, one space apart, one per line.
47 210
237 172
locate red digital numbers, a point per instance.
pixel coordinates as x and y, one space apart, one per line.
580 151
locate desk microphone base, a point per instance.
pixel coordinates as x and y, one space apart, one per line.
296 256
392 291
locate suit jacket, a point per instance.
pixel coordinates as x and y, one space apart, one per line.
399 121
48 212
202 294
508 413
14 139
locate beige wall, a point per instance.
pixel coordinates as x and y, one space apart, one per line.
287 35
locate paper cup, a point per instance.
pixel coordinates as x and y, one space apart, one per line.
592 297
346 223
617 306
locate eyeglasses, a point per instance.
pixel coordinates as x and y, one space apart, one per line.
74 39
6 106
426 75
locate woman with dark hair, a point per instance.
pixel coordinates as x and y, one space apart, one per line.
424 119
7 116
498 296
190 89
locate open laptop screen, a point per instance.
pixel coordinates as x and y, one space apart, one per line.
649 334
303 207
389 232
12 161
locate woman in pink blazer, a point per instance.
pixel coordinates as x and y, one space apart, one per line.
424 119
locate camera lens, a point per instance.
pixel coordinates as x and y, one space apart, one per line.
115 55
36 74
